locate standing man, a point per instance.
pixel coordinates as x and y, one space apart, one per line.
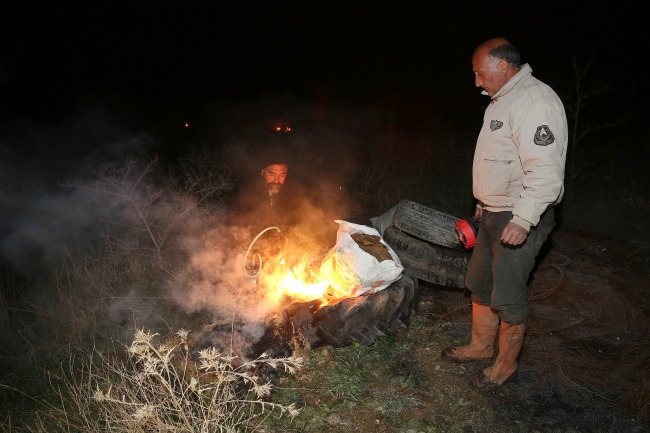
518 178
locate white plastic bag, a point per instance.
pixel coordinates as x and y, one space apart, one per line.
354 270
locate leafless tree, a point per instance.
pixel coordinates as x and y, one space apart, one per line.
584 88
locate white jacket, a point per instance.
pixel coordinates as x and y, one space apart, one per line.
521 150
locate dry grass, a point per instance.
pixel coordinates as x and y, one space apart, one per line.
86 298
159 388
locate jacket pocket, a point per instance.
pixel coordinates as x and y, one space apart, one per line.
495 178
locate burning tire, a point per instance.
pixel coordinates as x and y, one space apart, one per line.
426 223
402 243
361 319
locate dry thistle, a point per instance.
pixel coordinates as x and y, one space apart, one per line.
154 392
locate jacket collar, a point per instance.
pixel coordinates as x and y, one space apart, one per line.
524 72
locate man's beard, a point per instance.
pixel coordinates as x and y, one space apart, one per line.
273 187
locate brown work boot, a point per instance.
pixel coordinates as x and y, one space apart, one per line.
485 323
511 338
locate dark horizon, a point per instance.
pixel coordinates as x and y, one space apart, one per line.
169 64
86 84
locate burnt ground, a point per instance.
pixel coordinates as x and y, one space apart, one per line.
584 366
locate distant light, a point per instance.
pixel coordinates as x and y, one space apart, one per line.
288 129
187 124
278 129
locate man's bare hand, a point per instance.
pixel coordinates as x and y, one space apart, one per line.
478 212
514 234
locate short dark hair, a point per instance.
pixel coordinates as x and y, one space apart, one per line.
508 53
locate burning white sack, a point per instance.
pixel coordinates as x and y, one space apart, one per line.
351 269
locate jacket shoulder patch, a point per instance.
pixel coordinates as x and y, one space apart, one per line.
495 124
543 136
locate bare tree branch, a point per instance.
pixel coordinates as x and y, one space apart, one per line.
158 209
583 89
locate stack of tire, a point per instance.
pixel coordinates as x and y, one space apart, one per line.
426 242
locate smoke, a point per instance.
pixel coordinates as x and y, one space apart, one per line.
37 214
242 305
324 147
216 280
200 267
325 150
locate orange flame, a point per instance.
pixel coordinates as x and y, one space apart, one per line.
299 283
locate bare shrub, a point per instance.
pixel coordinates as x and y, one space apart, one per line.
159 388
150 213
209 175
93 293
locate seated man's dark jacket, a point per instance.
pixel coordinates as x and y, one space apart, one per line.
252 206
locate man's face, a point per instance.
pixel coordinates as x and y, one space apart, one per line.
274 176
489 73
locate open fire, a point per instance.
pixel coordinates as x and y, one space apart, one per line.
355 292
301 282
360 263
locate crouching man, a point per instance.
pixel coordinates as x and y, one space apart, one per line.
518 178
268 198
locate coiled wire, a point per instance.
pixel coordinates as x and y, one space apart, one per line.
255 272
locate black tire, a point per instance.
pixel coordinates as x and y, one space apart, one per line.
431 253
360 319
436 273
426 223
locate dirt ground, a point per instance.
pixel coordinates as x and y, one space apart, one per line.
584 366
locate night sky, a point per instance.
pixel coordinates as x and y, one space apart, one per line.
164 62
